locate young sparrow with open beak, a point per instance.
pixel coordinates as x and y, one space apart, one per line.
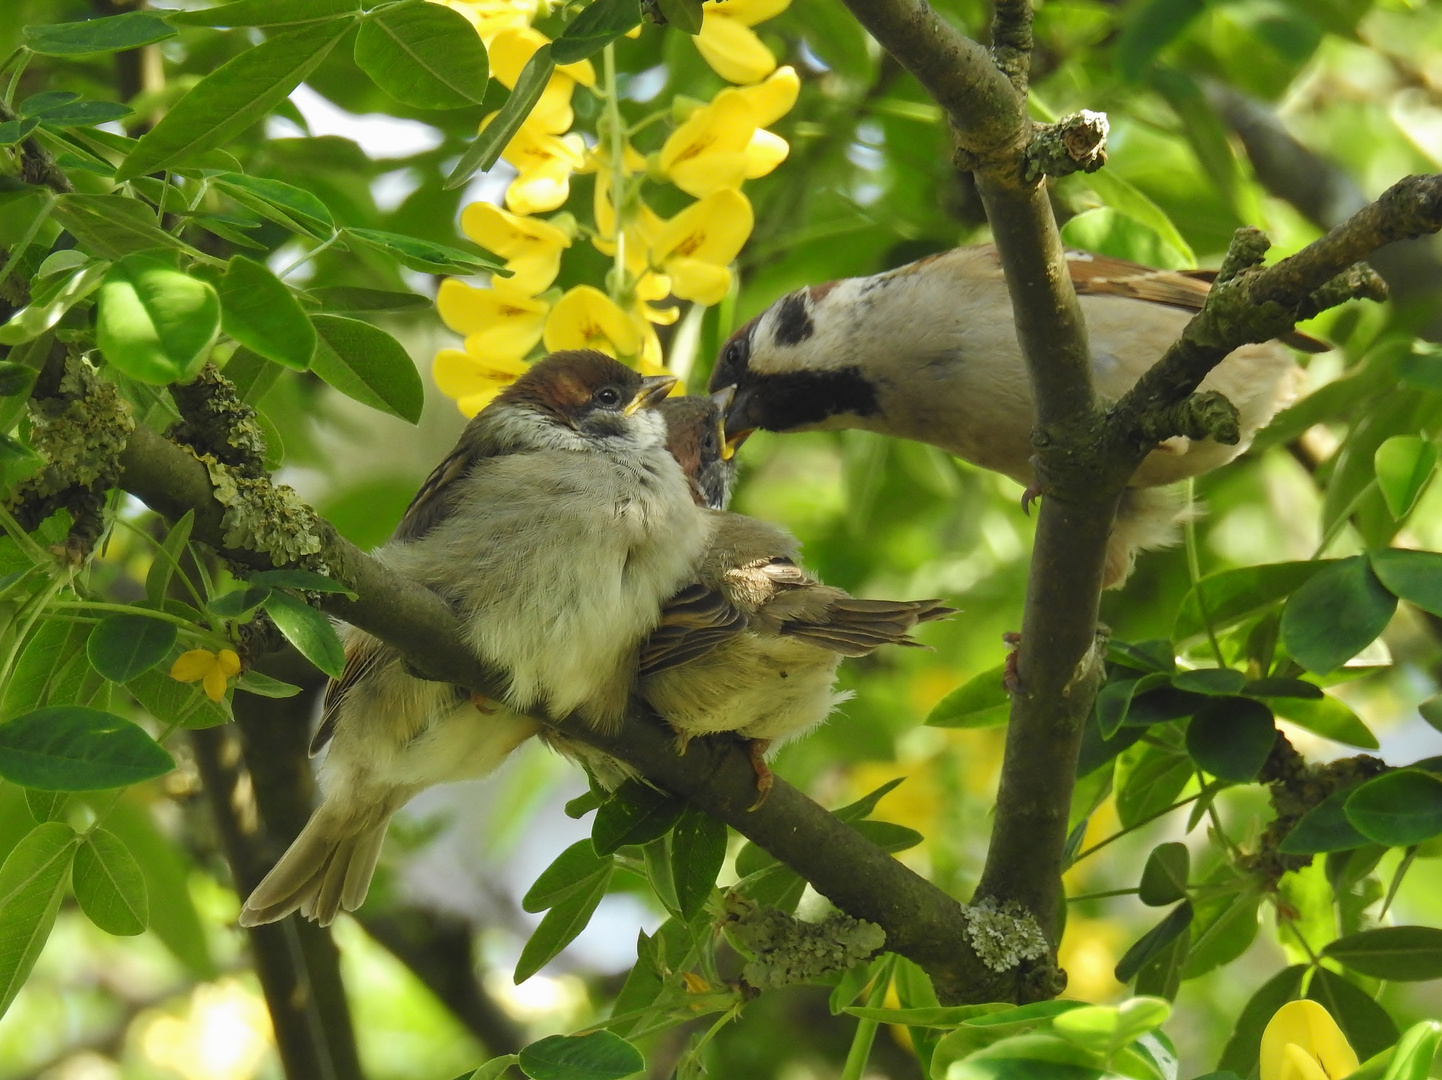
753 644
557 528
929 352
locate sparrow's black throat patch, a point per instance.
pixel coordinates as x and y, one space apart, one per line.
793 399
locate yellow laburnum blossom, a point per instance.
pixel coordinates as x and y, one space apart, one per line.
586 318
695 247
531 247
729 44
1303 1042
473 380
510 50
490 17
545 163
721 144
500 323
213 669
603 203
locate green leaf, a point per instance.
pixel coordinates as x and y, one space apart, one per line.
1404 464
1114 701
114 33
1148 29
571 871
14 131
304 580
636 814
1108 231
1324 828
231 98
309 631
173 702
494 1069
599 1055
16 379
685 15
260 312
888 836
153 322
1221 682
32 884
51 110
43 312
1283 688
1222 930
599 24
1328 716
113 226
1397 809
1414 576
1365 1023
368 365
1336 615
71 748
167 559
1153 941
1395 953
269 13
423 55
252 376
866 805
1233 595
698 848
294 208
239 603
1105 1029
981 701
355 298
1230 737
253 682
1148 780
1244 1047
39 674
1161 975
46 805
1164 879
123 646
1412 1057
424 255
941 1016
109 885
562 923
486 150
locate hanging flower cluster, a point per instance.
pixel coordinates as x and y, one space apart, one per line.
713 149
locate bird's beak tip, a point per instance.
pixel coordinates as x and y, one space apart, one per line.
653 389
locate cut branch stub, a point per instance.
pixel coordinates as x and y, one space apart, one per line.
1075 143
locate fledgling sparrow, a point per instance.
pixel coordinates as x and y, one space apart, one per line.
752 645
556 529
928 351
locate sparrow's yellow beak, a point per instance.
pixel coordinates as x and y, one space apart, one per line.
722 399
731 445
653 389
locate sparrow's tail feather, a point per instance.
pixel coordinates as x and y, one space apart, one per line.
854 627
1147 518
327 868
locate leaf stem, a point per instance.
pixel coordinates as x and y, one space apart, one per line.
616 134
1343 519
311 254
1194 571
860 1051
1133 828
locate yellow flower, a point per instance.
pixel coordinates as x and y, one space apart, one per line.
213 668
531 247
586 318
603 205
474 380
510 49
490 17
729 44
695 246
545 164
1303 1042
500 323
721 144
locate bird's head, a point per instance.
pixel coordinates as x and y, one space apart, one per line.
696 438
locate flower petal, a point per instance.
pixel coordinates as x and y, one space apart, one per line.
764 152
774 98
712 230
586 318
732 49
703 282
463 374
227 662
749 12
1306 1028
192 665
468 310
214 683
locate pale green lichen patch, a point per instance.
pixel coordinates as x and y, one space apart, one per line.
215 421
265 517
79 434
1004 936
784 950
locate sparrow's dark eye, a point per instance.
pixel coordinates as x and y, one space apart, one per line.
608 397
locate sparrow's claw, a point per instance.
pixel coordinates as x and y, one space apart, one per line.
483 704
765 778
1029 496
1011 678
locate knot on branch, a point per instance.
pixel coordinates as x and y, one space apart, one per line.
267 518
214 421
1004 936
1358 282
1411 207
1207 415
1075 143
1248 248
783 950
80 428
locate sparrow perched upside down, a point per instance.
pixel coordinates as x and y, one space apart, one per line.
753 644
557 528
929 352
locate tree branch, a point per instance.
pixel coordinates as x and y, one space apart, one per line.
921 922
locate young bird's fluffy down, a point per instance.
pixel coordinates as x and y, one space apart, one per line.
929 352
753 644
557 528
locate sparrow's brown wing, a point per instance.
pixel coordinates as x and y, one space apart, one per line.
361 657
693 622
1102 275
855 627
437 496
